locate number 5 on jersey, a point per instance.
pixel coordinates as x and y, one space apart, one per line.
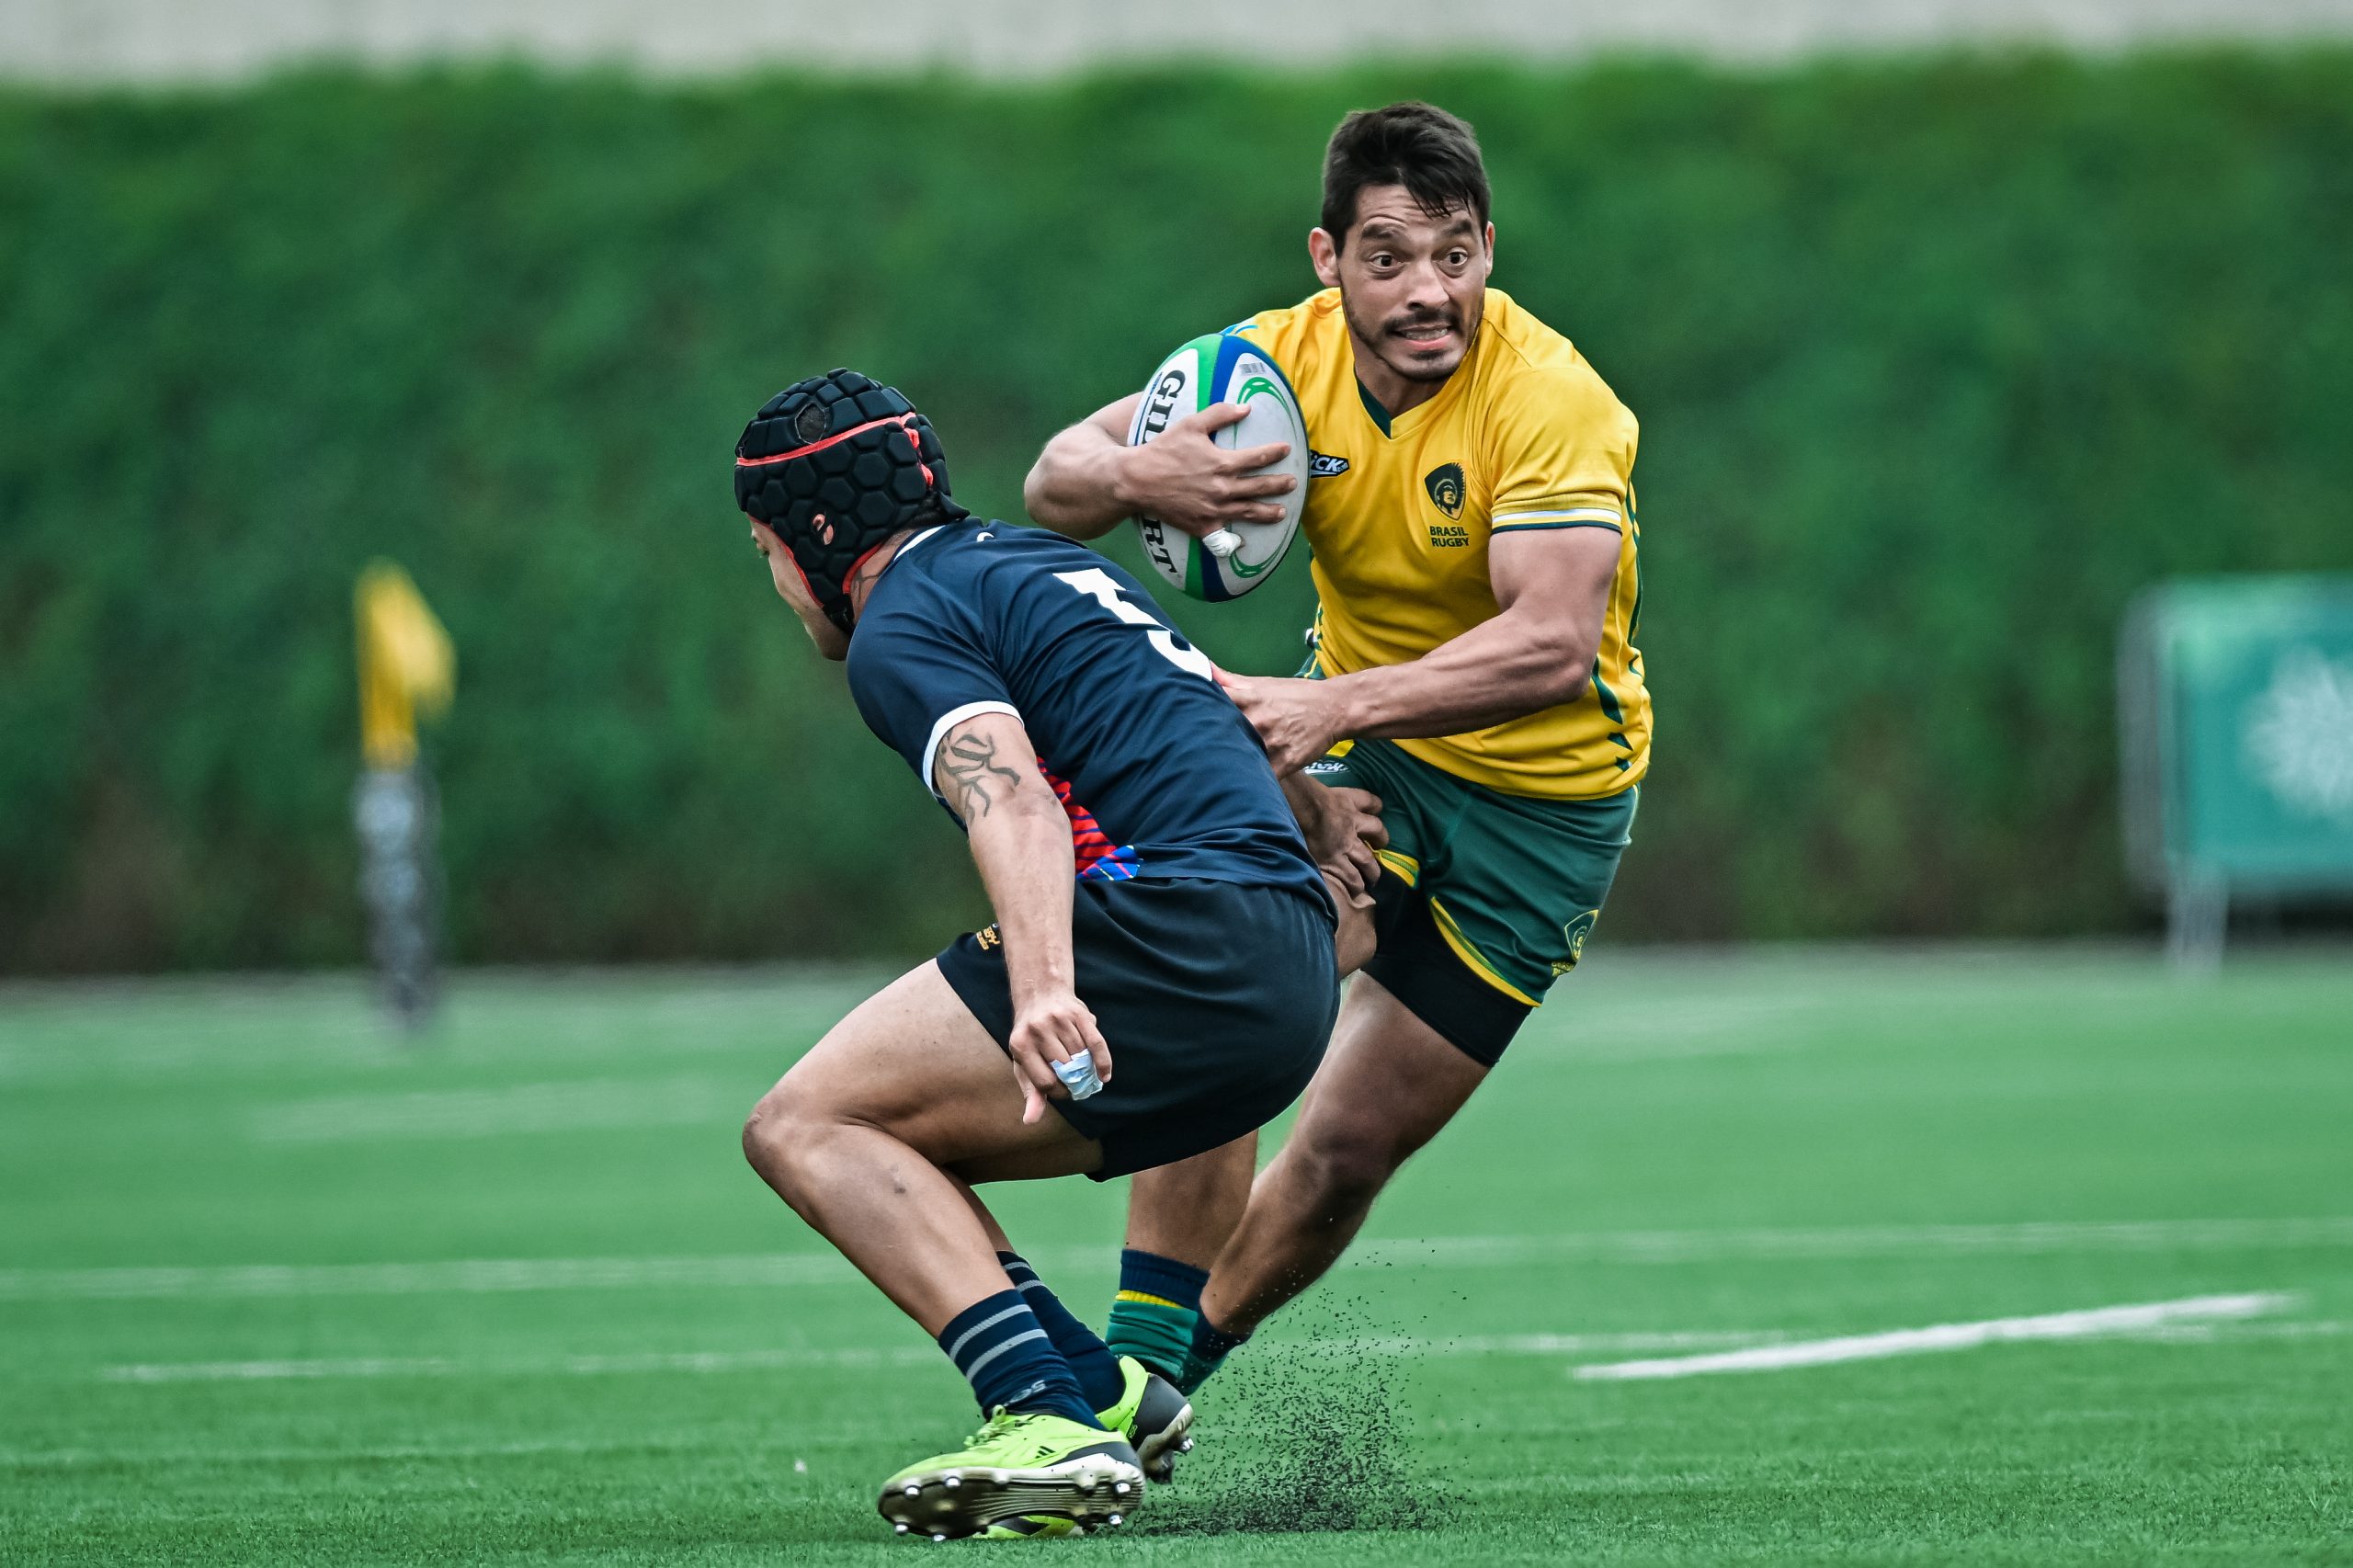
1097 584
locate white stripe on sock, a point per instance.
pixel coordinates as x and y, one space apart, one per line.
990 1355
956 1351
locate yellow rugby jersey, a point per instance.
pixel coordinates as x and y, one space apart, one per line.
1524 434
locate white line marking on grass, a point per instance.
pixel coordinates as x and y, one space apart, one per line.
723 1361
596 1104
798 1444
2210 1333
371 1367
475 1275
2169 1331
215 1454
461 1277
1859 1241
2095 1323
1549 1344
280 1371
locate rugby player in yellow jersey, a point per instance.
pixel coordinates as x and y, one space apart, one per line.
1472 512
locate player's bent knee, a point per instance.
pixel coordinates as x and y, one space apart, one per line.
762 1143
1346 1163
779 1136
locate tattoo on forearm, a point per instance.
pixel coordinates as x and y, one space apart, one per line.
976 778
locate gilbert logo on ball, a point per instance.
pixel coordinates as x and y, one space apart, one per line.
1226 367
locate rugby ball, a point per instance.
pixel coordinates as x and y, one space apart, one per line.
1225 366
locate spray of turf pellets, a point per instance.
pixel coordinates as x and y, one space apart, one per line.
1305 1434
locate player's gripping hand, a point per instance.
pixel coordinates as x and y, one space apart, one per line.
1054 1026
1187 480
1298 719
1344 836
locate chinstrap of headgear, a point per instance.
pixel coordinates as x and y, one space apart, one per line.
836 465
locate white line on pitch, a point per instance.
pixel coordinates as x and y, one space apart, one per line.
2171 1331
1775 1243
593 1104
568 1366
457 1277
2096 1322
207 1453
369 1367
476 1275
1558 1344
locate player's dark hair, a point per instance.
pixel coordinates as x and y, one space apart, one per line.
1420 146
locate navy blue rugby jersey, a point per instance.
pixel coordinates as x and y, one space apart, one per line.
1158 770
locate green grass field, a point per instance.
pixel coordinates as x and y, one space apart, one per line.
275 1288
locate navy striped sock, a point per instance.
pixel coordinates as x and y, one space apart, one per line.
1090 1360
1009 1360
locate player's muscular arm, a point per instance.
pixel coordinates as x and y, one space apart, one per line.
1088 477
1551 590
987 772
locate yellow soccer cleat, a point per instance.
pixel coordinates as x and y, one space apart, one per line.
1153 1417
1020 1464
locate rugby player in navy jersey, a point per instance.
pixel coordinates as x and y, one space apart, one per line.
1160 979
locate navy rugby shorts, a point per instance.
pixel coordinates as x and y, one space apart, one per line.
1215 998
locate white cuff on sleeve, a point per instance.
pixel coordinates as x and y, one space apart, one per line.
947 721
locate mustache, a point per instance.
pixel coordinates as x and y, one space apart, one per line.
1398 325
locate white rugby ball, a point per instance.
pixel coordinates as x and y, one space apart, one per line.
1225 366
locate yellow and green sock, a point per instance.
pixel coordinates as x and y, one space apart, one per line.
1156 1318
1153 1314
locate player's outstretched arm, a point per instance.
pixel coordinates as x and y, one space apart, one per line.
1088 477
987 772
1553 592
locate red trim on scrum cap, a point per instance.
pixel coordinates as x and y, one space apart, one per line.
916 442
830 440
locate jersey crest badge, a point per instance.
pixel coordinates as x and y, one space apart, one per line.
1445 484
1322 465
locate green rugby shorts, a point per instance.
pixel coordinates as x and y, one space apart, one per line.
1484 899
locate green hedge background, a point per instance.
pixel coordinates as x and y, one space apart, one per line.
1938 363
